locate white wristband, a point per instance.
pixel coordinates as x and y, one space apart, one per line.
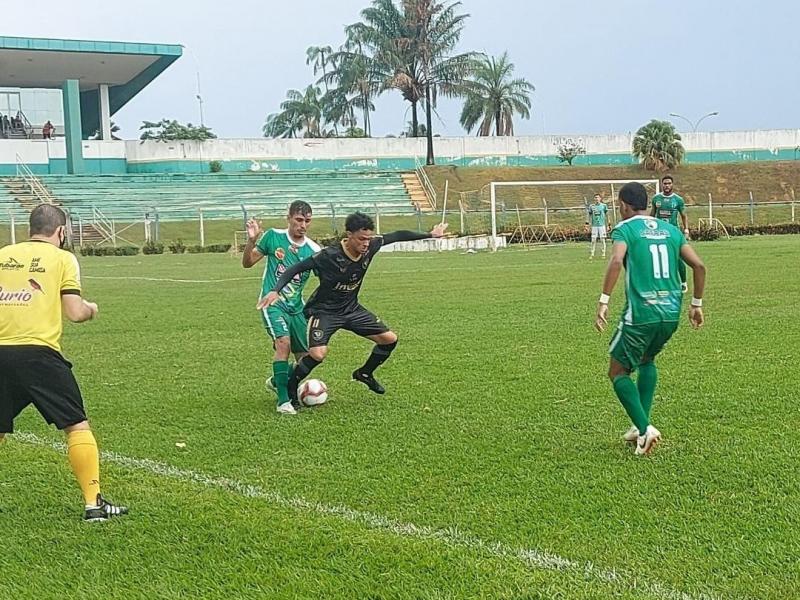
604 298
698 302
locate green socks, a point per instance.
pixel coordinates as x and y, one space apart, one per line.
628 396
280 373
646 382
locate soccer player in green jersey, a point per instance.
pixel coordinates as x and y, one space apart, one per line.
668 206
649 249
284 320
597 215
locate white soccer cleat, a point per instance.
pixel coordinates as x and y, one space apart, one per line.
645 443
270 385
631 435
684 287
286 409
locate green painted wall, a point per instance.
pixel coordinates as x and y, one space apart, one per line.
119 166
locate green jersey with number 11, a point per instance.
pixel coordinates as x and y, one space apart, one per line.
652 285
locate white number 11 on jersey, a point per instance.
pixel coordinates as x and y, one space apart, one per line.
660 261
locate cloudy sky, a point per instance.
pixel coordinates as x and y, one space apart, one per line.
598 67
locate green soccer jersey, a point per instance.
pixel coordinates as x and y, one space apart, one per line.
598 214
668 207
282 253
652 285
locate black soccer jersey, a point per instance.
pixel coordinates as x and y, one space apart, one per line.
339 275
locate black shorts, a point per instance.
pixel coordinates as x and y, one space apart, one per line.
40 376
322 325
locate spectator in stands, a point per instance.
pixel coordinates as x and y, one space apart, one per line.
48 130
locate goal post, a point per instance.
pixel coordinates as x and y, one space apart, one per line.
552 206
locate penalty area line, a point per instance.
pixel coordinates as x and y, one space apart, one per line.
450 536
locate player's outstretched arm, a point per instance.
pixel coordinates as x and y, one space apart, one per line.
615 264
251 255
691 258
76 309
410 236
283 281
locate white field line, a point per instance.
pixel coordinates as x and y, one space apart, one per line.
451 536
167 279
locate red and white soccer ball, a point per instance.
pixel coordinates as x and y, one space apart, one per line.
313 393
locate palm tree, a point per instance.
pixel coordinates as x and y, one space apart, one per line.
436 29
354 77
411 46
385 29
493 97
658 146
301 111
319 57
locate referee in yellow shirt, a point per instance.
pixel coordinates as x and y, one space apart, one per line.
38 283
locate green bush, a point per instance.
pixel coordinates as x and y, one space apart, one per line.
152 247
211 248
109 251
219 248
177 247
215 166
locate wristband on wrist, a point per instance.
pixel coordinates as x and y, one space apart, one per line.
604 298
698 302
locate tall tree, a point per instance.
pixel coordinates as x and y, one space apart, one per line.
300 112
436 28
167 130
658 146
353 76
493 97
319 58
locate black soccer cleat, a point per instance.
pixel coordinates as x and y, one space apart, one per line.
103 511
369 381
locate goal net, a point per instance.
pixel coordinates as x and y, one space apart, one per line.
539 211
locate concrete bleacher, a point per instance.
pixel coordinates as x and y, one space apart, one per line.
176 197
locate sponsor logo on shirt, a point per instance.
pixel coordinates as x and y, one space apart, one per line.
280 254
36 267
280 271
347 287
11 265
15 297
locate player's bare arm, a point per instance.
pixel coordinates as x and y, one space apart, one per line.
615 265
283 281
251 255
690 257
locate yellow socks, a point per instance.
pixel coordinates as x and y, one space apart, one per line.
85 461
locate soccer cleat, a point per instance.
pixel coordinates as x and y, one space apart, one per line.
684 287
270 385
369 381
103 511
286 409
645 443
631 435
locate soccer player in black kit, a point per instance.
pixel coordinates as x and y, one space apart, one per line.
334 304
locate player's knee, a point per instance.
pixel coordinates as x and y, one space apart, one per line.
389 339
318 353
82 426
282 347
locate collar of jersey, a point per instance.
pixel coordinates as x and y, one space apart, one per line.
347 254
634 217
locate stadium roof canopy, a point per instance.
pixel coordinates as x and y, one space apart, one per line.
100 76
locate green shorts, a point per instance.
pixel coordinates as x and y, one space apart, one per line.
280 323
631 344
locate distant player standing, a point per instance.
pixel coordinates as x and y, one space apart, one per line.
668 206
597 216
334 304
649 249
284 320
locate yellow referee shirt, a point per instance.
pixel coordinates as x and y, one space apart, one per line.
33 277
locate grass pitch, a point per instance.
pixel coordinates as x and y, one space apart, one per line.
491 468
